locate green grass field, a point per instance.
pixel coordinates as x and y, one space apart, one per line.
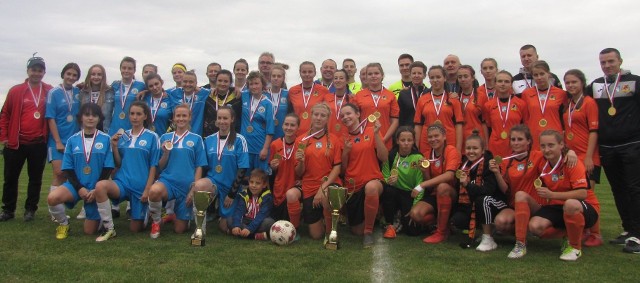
29 252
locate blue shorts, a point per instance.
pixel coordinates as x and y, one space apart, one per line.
53 154
138 208
256 163
91 209
183 212
222 195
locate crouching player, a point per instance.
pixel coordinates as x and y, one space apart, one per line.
251 217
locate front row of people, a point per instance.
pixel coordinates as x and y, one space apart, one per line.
544 191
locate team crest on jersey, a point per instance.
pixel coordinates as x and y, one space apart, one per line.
514 107
315 93
163 105
190 143
261 109
356 140
438 163
283 100
99 145
529 164
384 97
465 100
503 108
366 137
318 144
142 143
552 97
520 167
329 145
554 177
134 91
625 88
437 102
230 147
404 164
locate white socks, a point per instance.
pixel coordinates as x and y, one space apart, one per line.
155 208
169 206
57 211
104 209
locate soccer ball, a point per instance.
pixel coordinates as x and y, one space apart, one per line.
282 233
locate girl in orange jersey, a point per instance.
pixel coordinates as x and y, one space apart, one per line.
282 165
318 158
444 160
363 150
567 200
545 102
305 95
503 112
435 107
489 70
336 100
471 103
581 135
379 101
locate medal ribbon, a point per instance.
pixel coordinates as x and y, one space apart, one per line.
611 95
311 135
464 107
124 93
438 108
155 105
179 137
284 148
87 156
546 98
68 96
190 102
37 101
338 106
218 99
306 96
506 116
573 109
252 111
464 167
221 145
275 100
553 169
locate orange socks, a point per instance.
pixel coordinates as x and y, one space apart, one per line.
575 225
444 210
371 203
294 213
522 220
595 229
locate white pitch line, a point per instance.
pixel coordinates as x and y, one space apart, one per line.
382 267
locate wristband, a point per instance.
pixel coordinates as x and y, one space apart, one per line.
419 188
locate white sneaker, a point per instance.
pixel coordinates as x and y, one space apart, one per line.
519 250
570 254
82 214
487 244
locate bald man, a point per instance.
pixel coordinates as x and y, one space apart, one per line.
327 69
524 79
451 65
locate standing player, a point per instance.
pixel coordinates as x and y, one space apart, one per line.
617 97
159 104
62 108
408 98
223 94
87 160
282 165
336 100
279 96
488 68
404 66
193 96
349 65
125 92
177 71
135 154
305 95
240 71
23 132
524 79
363 150
180 165
257 121
149 69
97 91
471 104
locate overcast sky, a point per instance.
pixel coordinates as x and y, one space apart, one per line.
568 34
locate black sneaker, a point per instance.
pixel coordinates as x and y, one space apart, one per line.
29 215
115 213
632 246
6 215
621 239
367 241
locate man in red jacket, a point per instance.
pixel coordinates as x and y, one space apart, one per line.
23 132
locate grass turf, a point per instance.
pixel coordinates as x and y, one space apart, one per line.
30 252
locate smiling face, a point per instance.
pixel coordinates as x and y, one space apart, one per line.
307 73
519 142
177 74
436 138
290 126
70 77
127 70
182 117
155 86
473 149
35 74
96 76
189 84
256 185
417 76
240 70
550 147
223 82
224 120
327 69
212 72
340 80
349 117
573 84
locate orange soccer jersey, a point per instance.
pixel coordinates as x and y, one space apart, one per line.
335 124
449 161
285 174
501 116
520 174
486 93
472 106
565 179
297 104
550 120
363 162
426 114
584 120
321 154
385 103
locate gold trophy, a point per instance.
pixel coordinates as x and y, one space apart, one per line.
337 198
201 201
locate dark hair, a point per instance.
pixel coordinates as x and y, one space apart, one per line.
528 46
522 128
541 64
70 66
405 56
90 109
152 76
154 67
438 127
145 109
468 67
403 129
506 73
130 60
609 50
293 115
475 135
554 133
489 60
261 174
353 106
578 74
419 64
191 73
228 73
257 75
307 63
213 64
231 139
348 60
241 60
346 75
437 67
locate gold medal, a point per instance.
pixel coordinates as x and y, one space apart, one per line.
69 118
438 122
249 129
371 118
36 115
570 136
352 181
325 178
168 145
537 183
425 163
612 111
458 173
377 114
394 172
302 146
498 159
277 156
275 122
338 127
121 116
542 122
305 115
86 170
504 135
219 168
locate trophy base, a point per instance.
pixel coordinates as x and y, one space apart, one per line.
331 246
197 242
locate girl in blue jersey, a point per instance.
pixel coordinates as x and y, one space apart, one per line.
135 154
195 97
240 71
257 121
228 158
180 165
177 71
125 92
87 160
279 99
62 107
159 103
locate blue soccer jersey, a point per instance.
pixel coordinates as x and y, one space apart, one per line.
124 96
187 154
280 105
97 151
138 154
62 108
257 121
161 113
197 103
224 164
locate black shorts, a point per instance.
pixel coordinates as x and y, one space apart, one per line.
555 214
488 207
311 214
461 216
280 212
355 208
430 199
595 174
